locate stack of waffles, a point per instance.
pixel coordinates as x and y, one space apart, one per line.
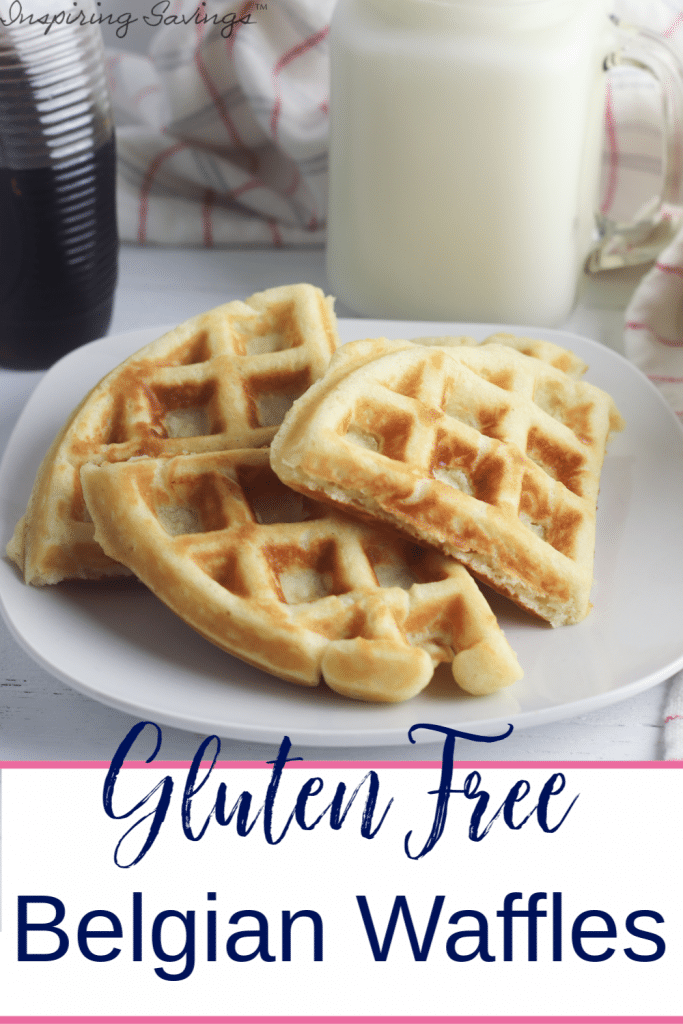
220 381
321 512
489 454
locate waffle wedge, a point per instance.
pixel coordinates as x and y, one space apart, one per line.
221 380
547 351
491 455
291 586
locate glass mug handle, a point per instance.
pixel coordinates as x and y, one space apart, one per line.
641 241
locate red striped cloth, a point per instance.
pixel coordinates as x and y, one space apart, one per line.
653 332
223 126
222 129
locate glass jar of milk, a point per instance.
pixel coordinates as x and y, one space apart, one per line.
465 152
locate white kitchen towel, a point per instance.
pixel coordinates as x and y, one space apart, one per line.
653 330
654 341
223 125
653 335
222 128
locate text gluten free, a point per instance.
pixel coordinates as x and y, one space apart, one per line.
151 810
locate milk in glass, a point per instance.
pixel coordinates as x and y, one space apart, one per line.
465 156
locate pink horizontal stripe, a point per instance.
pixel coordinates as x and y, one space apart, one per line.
636 325
304 764
348 1020
665 380
669 268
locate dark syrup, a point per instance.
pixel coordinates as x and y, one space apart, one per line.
58 258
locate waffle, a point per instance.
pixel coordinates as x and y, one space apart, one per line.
221 380
547 351
491 455
291 586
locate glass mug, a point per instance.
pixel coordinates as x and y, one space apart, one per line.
465 152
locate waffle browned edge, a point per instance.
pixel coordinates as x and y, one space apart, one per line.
306 473
361 648
46 556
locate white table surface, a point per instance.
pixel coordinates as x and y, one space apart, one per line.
41 718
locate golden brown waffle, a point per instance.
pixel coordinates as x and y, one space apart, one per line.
221 380
547 351
491 455
291 586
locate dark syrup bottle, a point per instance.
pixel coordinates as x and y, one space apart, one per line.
58 236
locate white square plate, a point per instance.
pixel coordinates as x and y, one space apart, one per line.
117 643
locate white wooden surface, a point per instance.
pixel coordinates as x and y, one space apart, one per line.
42 718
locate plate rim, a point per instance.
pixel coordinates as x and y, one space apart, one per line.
336 737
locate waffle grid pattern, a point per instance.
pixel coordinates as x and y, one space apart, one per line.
224 380
371 612
221 380
467 447
490 454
